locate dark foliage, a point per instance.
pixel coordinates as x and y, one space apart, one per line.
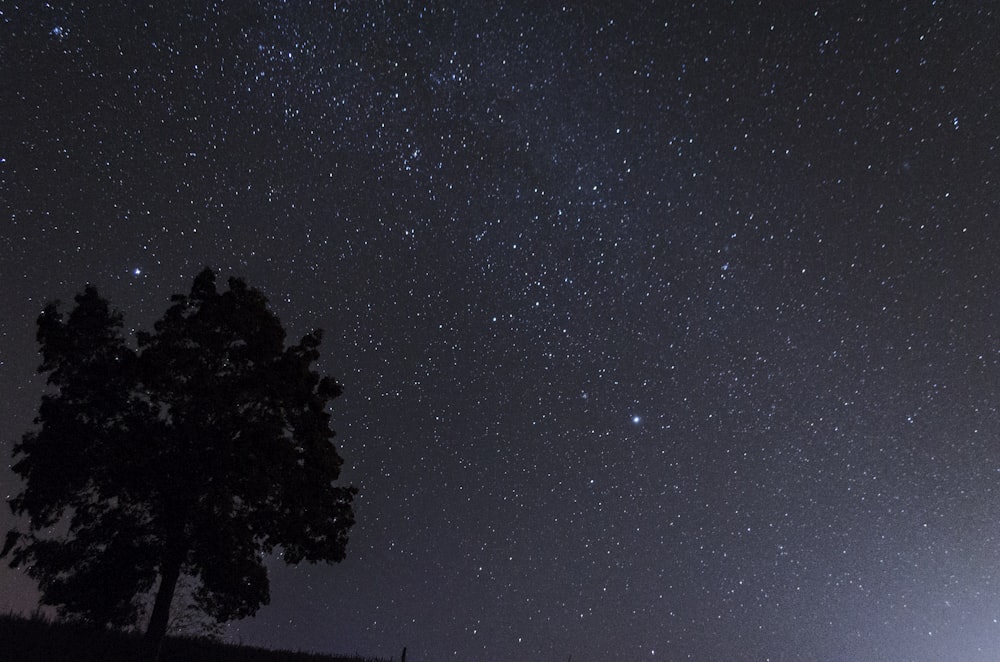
195 454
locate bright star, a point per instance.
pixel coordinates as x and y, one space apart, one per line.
636 419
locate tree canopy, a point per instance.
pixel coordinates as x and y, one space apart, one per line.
198 452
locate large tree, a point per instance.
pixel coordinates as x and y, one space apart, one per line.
197 453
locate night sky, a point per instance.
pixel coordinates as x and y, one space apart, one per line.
667 331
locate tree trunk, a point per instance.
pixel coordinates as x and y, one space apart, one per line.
158 620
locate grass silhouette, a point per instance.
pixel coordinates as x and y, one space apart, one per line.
40 639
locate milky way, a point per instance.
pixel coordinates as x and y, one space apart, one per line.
666 332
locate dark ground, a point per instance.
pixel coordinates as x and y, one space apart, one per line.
41 640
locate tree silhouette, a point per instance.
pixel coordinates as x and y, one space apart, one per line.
196 454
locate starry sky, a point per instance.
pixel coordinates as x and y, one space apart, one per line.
668 330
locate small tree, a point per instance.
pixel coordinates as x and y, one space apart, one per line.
197 454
